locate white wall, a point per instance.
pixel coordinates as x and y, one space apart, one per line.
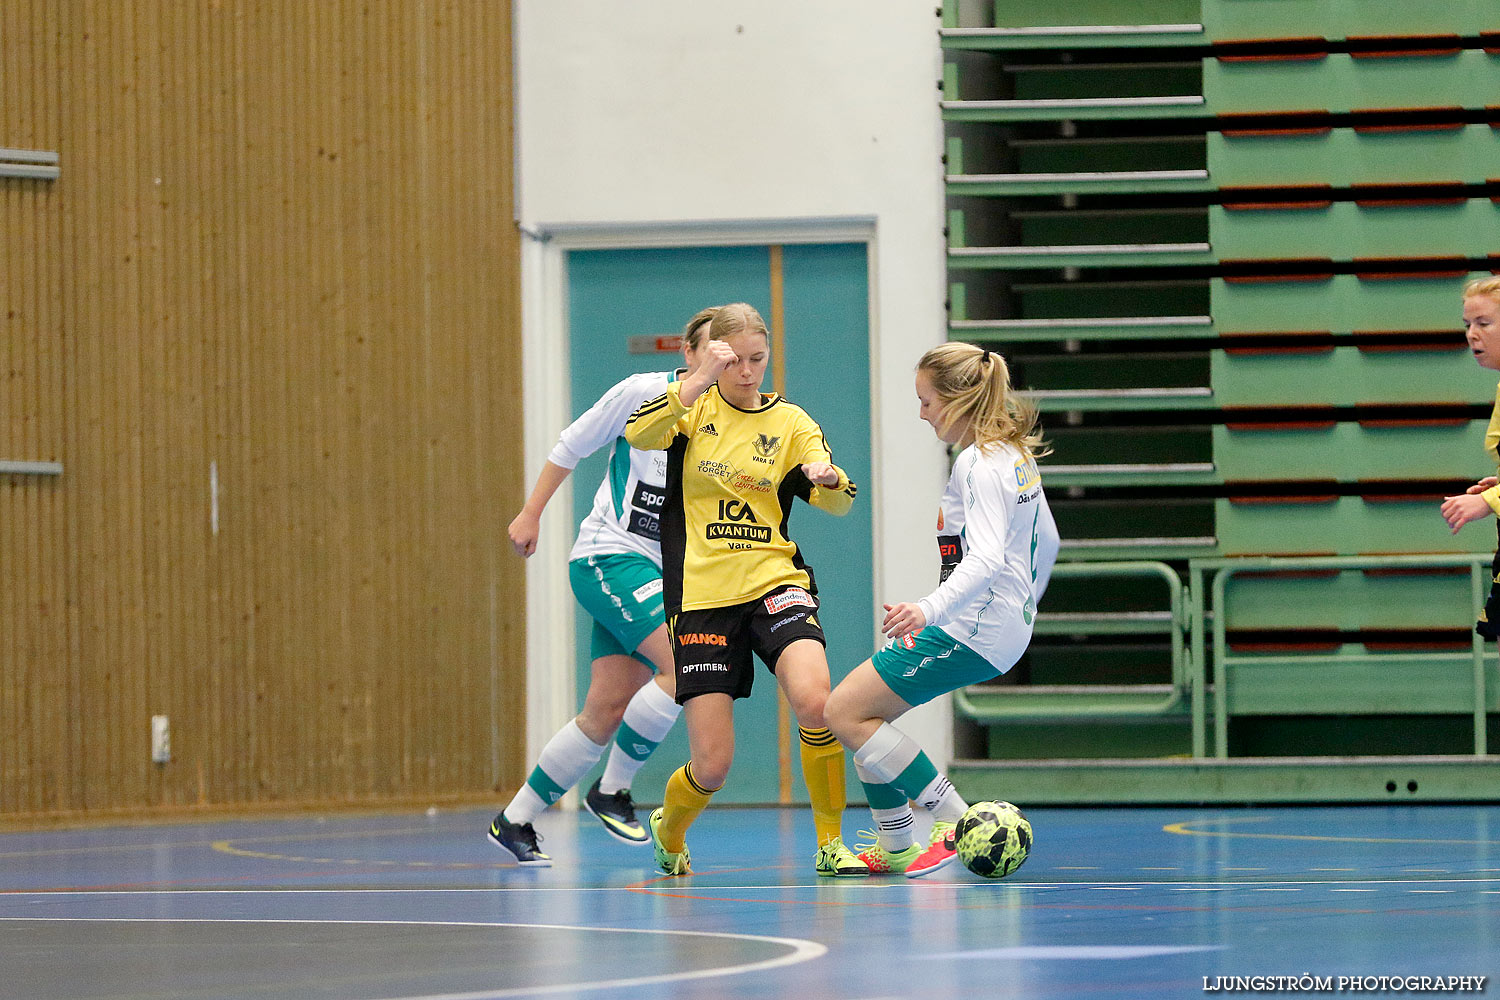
718 121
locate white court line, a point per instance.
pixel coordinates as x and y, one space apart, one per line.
1069 952
802 951
925 885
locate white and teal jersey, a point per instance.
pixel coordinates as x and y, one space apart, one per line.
627 505
997 542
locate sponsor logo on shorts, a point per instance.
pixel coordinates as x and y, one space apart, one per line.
703 668
787 621
702 639
792 597
909 640
646 590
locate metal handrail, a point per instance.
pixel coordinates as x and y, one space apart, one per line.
1224 568
1175 620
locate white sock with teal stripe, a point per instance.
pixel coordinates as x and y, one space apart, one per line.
566 758
894 758
894 823
648 719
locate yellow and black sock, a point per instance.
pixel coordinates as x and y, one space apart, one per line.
823 770
684 800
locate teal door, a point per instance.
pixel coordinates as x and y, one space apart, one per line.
616 295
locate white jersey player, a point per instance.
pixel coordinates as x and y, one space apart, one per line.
997 542
615 572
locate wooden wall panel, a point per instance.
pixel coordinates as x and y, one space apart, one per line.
268 319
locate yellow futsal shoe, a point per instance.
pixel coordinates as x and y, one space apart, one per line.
671 862
834 860
882 861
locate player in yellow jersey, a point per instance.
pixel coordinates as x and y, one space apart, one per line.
1482 329
734 581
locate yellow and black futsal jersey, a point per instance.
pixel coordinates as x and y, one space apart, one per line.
731 477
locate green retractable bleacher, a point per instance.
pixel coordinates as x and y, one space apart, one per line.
1222 244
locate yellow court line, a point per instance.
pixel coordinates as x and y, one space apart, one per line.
1183 830
158 845
227 847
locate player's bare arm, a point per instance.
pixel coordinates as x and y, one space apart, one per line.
527 525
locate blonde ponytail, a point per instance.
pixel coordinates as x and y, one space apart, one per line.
974 387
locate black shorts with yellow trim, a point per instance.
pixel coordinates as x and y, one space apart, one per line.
711 648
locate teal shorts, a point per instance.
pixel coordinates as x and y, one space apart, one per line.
920 667
622 593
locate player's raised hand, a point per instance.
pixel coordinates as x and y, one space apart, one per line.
821 473
902 620
1483 485
1460 510
713 358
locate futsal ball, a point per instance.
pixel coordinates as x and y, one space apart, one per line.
992 839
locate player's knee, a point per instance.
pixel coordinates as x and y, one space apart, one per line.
809 707
601 717
711 770
838 712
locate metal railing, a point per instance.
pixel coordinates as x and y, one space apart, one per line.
1216 622
1097 700
1197 618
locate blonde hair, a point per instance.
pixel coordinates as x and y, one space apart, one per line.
1489 287
974 387
736 318
692 334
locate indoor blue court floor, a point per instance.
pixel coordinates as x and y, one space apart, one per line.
1112 903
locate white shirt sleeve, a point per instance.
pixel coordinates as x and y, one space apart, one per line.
604 421
1047 543
988 500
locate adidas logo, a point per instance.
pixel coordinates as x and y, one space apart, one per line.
708 429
